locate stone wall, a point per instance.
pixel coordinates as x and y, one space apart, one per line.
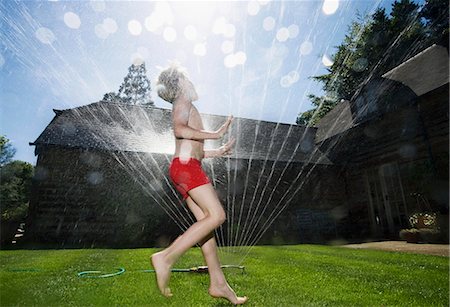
87 198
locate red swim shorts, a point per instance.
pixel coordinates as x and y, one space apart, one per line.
187 174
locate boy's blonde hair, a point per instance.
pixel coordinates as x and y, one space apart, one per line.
167 85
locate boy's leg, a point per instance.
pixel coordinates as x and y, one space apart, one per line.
209 248
218 284
206 198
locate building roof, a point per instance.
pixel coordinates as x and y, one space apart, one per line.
424 72
123 127
334 122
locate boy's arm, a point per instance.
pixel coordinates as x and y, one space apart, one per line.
180 117
223 150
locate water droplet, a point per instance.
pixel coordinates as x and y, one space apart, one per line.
200 49
100 31
190 32
269 23
98 5
285 81
169 34
227 47
326 61
110 25
134 27
72 20
306 48
360 64
253 8
330 6
95 177
45 35
282 34
293 31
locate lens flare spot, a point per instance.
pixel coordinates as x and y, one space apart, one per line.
230 30
240 58
306 48
219 25
100 31
95 178
45 35
227 47
190 32
330 6
282 34
360 64
169 34
269 23
134 27
294 76
253 8
293 31
233 59
110 25
137 58
98 5
72 20
326 61
285 81
229 61
200 49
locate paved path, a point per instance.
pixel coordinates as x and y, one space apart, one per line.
403 246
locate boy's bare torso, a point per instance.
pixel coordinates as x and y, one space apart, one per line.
191 148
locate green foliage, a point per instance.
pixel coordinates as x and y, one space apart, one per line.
15 186
111 97
135 88
374 45
322 106
6 150
15 189
436 13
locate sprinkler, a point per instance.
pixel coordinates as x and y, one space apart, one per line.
197 269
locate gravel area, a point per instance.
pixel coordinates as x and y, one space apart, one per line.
403 246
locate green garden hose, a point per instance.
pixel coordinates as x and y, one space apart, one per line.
199 269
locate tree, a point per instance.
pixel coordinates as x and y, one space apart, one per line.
111 97
435 13
135 88
6 151
322 106
15 187
374 45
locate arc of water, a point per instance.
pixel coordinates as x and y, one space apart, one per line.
257 127
274 164
172 215
267 155
264 228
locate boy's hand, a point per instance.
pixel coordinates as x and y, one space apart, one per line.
225 149
222 130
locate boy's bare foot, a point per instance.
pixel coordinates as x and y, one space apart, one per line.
227 293
162 270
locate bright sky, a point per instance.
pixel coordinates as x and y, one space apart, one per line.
250 59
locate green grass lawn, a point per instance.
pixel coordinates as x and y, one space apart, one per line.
297 275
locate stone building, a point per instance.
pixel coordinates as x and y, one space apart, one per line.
101 174
392 140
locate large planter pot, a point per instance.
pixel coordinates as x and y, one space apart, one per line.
410 236
7 231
